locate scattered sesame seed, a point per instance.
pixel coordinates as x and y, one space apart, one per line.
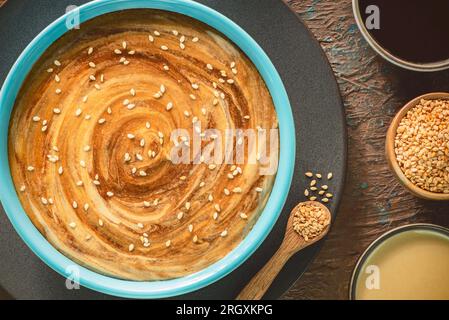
131 247
72 225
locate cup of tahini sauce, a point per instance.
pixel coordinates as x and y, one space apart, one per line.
412 34
407 263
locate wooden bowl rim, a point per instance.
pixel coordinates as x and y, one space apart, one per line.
391 156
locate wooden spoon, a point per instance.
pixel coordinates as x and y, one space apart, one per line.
291 244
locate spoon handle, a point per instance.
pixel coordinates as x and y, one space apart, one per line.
260 283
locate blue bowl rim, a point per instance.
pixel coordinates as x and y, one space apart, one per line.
164 288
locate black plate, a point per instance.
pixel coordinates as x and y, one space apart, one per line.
320 134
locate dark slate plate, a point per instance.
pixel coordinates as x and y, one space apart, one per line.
320 134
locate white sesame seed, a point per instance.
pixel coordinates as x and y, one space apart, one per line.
151 38
130 106
22 188
74 205
57 63
57 78
101 121
157 33
243 216
195 39
90 51
30 168
164 48
130 136
86 207
100 222
60 170
124 45
209 66
110 194
169 106
224 233
168 243
92 65
180 215
82 163
259 189
190 228
72 225
58 91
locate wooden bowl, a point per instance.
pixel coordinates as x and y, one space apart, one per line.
391 156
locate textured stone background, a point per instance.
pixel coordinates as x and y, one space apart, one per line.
373 201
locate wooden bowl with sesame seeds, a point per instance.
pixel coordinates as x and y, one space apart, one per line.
392 151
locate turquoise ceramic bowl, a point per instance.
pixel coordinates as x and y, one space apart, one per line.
151 289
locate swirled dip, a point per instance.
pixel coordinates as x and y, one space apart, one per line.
90 147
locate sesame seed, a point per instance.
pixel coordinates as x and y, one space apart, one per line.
131 247
168 243
169 106
132 52
124 44
224 233
259 189
86 207
180 215
209 66
36 119
151 38
182 46
330 176
309 174
90 50
30 168
100 222
110 194
92 77
74 205
195 39
60 170
101 121
82 163
56 111
57 78
130 136
22 188
57 63
157 33
146 204
72 225
164 48
215 216
243 216
190 228
130 106
58 91
92 65
195 239
78 112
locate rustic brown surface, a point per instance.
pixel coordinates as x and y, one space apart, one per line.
373 201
